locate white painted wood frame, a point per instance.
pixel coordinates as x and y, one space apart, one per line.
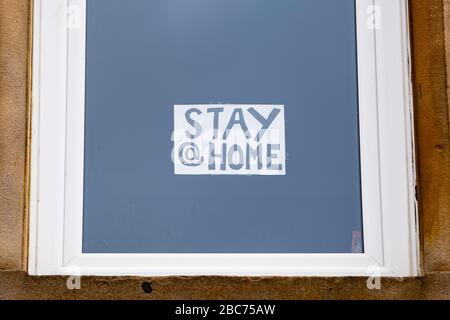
387 160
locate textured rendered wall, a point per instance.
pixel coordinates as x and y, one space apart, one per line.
13 124
431 47
432 128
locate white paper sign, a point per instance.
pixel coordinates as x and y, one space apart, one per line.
229 140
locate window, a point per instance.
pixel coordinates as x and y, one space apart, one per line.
222 138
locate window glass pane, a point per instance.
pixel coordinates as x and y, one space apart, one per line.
145 56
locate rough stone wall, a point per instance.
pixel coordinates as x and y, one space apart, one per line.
14 16
430 61
430 29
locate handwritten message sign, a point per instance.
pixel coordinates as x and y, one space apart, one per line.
229 139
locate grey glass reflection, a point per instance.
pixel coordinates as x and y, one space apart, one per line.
144 56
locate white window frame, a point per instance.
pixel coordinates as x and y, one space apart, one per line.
387 161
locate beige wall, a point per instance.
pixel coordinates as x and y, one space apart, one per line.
431 38
431 109
13 124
